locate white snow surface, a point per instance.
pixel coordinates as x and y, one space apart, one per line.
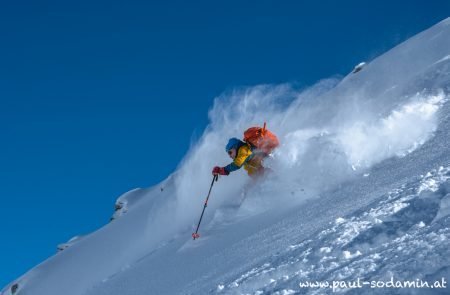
360 190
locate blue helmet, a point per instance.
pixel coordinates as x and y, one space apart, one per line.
233 143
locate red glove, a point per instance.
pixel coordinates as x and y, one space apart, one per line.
220 170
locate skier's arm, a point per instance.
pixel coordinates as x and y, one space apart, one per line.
231 167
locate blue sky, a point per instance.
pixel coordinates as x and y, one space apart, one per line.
97 98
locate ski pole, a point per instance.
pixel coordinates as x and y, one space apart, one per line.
196 235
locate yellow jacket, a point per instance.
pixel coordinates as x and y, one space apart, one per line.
251 161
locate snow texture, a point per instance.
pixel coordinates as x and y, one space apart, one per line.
360 190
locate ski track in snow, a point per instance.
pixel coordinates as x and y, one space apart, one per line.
364 246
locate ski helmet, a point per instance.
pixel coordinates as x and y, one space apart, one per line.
232 143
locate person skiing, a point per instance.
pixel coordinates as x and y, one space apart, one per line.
243 156
257 145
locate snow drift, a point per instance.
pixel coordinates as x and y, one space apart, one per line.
345 200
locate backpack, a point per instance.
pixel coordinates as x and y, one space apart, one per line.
261 139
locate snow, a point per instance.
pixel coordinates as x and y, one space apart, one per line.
360 191
444 59
359 67
69 243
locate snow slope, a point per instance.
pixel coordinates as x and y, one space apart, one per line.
361 189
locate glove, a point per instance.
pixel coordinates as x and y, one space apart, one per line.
220 170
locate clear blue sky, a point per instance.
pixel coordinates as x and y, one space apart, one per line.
90 91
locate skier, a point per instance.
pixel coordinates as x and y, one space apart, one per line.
242 155
257 145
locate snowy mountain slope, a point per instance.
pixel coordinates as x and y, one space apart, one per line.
374 243
277 249
360 190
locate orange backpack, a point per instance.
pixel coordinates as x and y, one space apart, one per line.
261 138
